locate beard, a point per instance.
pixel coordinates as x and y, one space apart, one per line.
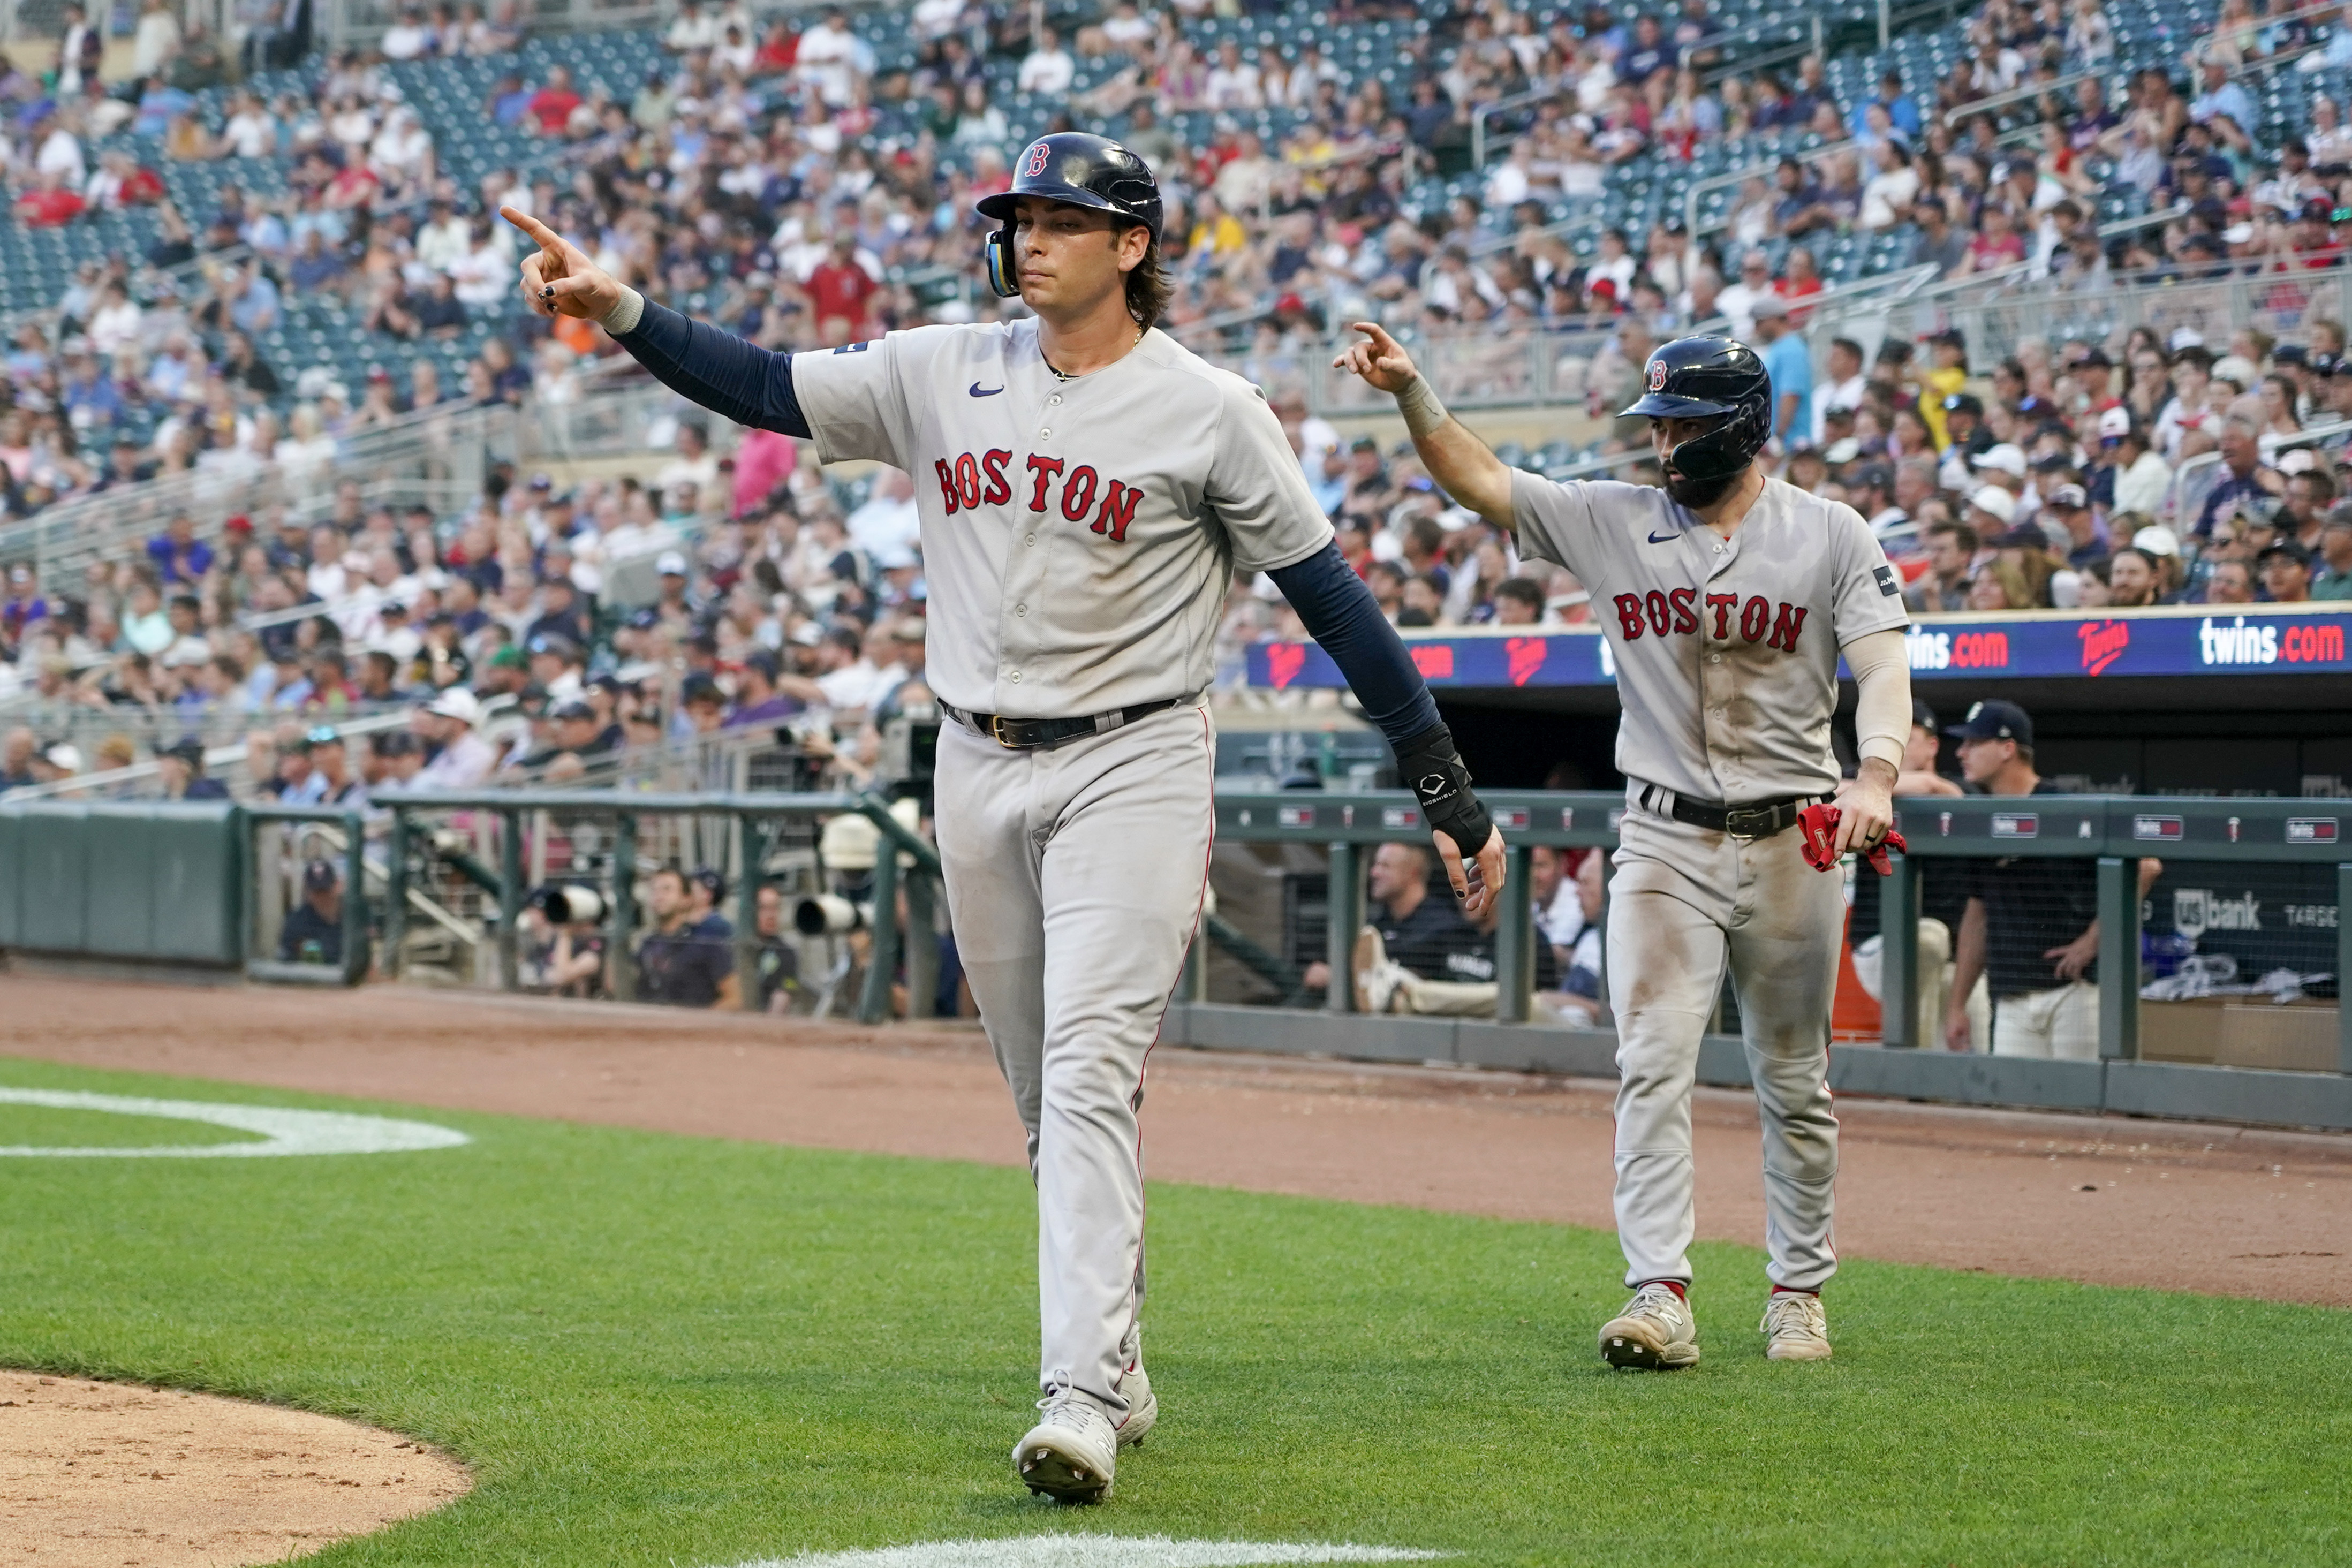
1694 493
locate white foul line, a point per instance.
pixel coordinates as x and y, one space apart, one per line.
284 1130
1099 1551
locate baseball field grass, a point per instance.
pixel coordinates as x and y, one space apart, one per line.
660 1350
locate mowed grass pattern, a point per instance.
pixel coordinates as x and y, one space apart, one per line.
659 1350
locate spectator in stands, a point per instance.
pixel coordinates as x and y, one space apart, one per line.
181 767
2032 927
313 929
1943 588
678 965
2332 583
1791 366
462 760
2285 569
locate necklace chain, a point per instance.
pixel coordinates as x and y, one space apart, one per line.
1063 375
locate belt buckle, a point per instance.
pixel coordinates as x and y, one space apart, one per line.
1755 818
996 732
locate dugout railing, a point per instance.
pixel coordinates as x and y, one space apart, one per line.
190 885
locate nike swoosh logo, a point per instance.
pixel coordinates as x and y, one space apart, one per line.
990 392
1663 538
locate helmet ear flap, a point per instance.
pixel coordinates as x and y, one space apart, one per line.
1002 275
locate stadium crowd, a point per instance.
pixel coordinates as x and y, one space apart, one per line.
747 172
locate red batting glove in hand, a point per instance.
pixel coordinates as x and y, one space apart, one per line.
1819 823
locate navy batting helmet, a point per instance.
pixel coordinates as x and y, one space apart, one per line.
1073 167
1710 378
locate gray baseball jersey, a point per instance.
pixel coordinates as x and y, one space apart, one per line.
1078 536
1727 650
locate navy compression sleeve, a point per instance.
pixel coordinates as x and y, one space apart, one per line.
1342 615
737 379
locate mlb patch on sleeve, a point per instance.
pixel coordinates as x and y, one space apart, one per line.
1887 583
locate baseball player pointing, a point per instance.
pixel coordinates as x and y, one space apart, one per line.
1087 489
1729 596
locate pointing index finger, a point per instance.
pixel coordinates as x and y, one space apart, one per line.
547 238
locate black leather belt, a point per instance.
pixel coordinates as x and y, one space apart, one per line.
1756 820
1032 733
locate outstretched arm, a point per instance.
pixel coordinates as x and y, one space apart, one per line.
738 381
1344 618
1463 465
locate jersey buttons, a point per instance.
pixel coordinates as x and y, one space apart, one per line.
1043 433
1029 540
1017 677
1020 610
1056 398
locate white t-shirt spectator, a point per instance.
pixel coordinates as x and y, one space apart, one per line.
885 525
1238 86
155 42
1828 394
693 29
114 326
60 153
251 134
483 277
2140 487
827 60
406 40
1050 70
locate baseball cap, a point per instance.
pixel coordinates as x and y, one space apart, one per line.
191 752
1767 304
2096 357
507 658
2027 535
457 703
1995 720
2007 457
1964 402
762 659
1992 499
2302 460
670 563
2050 462
319 875
323 735
1923 716
2157 539
2115 424
566 712
711 882
2288 548
1844 451
700 688
2069 498
2187 338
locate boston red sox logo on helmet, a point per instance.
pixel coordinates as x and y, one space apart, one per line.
1657 375
1035 165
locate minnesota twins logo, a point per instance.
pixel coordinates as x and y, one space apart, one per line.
1035 165
1657 375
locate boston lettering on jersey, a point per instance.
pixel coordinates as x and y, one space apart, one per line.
968 483
1661 613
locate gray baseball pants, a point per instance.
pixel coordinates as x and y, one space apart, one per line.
1682 903
1075 877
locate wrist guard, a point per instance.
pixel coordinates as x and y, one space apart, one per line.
1433 770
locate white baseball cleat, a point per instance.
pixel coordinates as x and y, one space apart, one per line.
1795 1327
1656 1331
1069 1455
1142 1405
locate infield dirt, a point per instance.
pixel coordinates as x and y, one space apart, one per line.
102 1475
2106 1200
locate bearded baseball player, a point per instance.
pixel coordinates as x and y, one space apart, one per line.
1088 490
1729 596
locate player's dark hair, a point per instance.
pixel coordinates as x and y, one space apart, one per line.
1149 288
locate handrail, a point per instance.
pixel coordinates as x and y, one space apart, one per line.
138 772
2000 101
1479 111
1752 32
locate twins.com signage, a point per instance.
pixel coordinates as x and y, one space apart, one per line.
2086 646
